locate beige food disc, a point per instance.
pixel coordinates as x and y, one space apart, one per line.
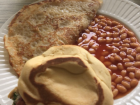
39 26
65 75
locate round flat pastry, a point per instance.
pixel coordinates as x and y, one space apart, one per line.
37 27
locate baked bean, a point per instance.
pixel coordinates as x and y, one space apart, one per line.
126 84
131 75
123 36
118 79
109 40
133 39
119 26
116 44
110 47
107 28
99 26
128 64
112 59
113 67
116 50
137 74
98 32
90 28
87 31
92 51
105 53
138 57
112 87
126 60
131 69
92 23
95 29
134 82
138 49
117 39
117 58
127 78
95 46
120 66
123 73
122 54
109 22
131 34
133 54
80 40
103 20
129 51
134 45
101 40
121 88
113 83
91 43
115 23
116 34
130 57
124 49
103 35
102 24
137 64
126 41
122 31
115 29
109 34
86 41
101 17
114 76
125 45
115 92
107 63
85 47
102 58
94 38
96 20
84 36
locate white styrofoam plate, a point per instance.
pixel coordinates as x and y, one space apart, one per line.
124 11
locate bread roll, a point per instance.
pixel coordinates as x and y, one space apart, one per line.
65 75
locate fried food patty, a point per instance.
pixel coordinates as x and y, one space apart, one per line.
39 26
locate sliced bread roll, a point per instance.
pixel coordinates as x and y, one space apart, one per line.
37 27
65 75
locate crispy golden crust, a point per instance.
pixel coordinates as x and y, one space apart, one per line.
37 27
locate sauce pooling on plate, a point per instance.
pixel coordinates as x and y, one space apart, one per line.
117 48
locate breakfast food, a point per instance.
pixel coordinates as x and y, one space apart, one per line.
64 75
39 26
118 49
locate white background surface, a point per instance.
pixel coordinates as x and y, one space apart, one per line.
10 7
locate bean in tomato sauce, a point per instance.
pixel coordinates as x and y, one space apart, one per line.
117 48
